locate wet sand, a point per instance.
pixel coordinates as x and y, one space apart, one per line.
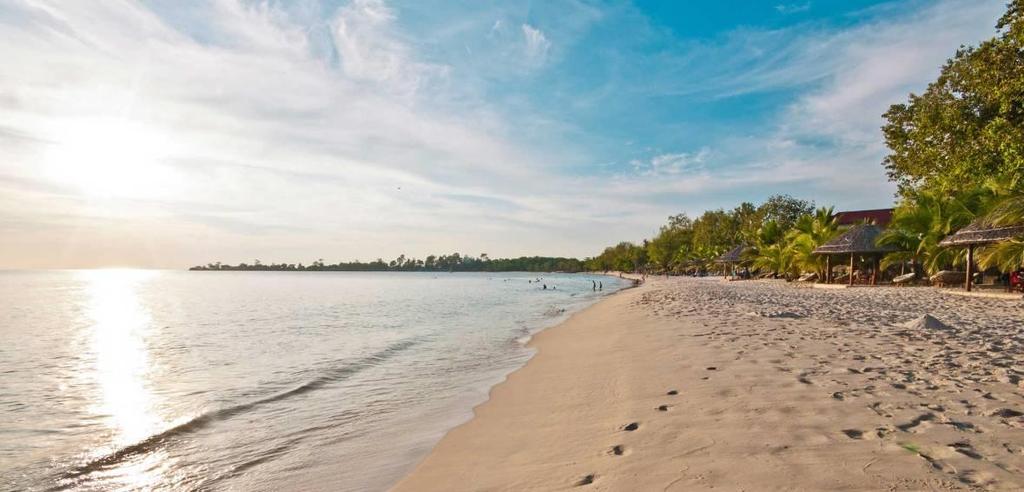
694 384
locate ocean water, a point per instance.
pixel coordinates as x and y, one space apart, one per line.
166 380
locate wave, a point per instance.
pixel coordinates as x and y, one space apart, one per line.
203 420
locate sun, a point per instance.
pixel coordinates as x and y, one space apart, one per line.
109 158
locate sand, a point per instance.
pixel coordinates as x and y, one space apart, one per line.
695 384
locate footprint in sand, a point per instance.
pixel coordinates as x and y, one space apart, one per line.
586 480
1006 413
617 450
663 408
630 427
672 392
965 448
854 433
925 417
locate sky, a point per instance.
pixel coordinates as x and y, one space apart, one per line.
164 134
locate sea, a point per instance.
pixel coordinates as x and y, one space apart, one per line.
175 380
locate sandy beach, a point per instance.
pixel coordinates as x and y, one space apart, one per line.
693 384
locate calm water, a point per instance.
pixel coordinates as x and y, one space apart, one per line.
252 380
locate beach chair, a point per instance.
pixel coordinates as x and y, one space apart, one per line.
904 279
948 277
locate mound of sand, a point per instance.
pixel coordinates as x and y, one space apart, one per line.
926 322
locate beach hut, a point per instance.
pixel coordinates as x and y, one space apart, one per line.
858 240
976 234
732 258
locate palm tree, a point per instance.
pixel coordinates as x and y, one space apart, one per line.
703 257
1006 255
808 233
922 220
915 230
774 258
767 249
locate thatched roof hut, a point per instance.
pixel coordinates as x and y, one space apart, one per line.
978 232
734 255
859 239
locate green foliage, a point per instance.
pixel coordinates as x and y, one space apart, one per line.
784 210
748 220
922 220
663 250
808 233
623 257
715 232
773 258
1007 255
968 124
689 245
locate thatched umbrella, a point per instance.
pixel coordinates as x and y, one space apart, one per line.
977 233
732 257
857 240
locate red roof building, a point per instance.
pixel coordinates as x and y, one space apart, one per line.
879 216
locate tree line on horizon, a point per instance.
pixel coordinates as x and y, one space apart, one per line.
454 262
956 154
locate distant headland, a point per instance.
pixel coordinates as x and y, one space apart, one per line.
454 262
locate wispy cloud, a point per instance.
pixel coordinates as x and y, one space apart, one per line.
672 163
537 45
291 131
369 51
825 142
793 8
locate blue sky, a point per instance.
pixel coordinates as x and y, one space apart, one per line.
163 134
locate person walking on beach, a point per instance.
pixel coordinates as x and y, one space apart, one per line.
600 286
595 284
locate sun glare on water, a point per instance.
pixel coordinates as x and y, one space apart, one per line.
110 158
119 326
118 364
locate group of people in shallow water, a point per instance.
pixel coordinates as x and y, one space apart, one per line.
544 287
596 285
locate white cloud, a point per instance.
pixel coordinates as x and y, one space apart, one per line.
793 8
263 136
670 164
537 44
369 51
287 138
825 144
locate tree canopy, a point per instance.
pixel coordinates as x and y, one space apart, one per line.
968 125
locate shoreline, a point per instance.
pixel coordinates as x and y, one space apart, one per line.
411 482
532 343
777 388
468 412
